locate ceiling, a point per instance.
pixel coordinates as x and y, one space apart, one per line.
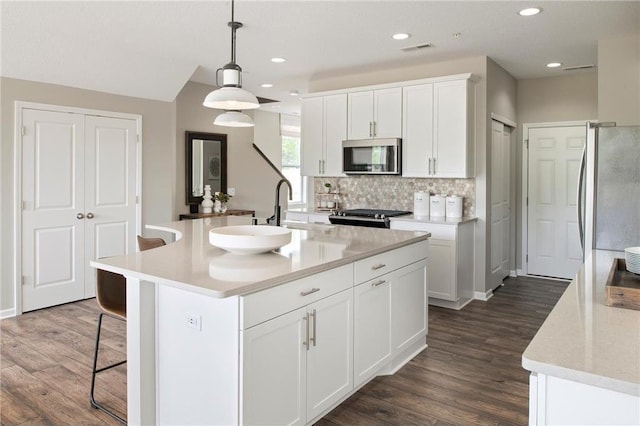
150 49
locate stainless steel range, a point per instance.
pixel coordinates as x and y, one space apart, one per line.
372 218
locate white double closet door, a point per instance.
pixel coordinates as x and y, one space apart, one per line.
79 193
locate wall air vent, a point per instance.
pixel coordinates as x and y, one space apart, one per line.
579 67
417 47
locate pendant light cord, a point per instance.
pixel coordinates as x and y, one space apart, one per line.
233 34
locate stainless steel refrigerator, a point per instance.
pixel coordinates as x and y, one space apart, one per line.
609 188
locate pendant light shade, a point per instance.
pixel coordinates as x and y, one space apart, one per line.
234 119
231 98
231 95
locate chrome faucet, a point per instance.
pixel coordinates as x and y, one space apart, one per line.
276 209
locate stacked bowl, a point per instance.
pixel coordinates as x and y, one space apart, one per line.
632 259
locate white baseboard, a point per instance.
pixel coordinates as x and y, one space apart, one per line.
513 273
520 272
7 313
478 295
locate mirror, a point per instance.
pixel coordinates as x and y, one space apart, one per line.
205 164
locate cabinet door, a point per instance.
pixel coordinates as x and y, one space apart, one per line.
371 328
387 113
330 354
360 122
442 270
311 121
409 305
335 131
417 130
450 127
273 371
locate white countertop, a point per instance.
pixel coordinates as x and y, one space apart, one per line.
586 341
193 264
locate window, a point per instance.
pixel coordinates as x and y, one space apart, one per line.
290 134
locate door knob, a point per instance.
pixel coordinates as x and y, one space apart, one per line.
90 216
80 216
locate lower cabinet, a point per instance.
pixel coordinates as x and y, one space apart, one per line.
451 261
298 365
390 317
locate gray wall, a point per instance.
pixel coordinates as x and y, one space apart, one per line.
158 152
619 80
553 99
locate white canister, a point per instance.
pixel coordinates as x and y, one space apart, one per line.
437 204
454 206
421 203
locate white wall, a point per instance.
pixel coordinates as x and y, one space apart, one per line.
619 80
158 152
252 178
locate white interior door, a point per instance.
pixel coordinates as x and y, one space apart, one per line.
500 201
53 208
79 188
110 191
553 243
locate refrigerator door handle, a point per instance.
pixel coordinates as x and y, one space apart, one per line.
581 174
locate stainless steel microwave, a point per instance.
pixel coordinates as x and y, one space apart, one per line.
371 157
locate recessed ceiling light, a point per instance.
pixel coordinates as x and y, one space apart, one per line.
278 60
456 35
401 36
554 64
294 93
266 85
530 11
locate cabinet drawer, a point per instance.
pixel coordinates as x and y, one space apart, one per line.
261 306
383 263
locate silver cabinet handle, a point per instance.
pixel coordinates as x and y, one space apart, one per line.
314 339
90 216
375 130
371 129
581 223
306 340
434 166
377 283
429 165
79 216
308 292
378 266
323 167
319 167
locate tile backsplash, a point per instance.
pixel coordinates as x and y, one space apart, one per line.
394 192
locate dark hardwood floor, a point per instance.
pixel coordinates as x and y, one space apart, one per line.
470 374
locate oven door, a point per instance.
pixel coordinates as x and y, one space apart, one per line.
371 156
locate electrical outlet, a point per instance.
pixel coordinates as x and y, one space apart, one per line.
194 321
231 191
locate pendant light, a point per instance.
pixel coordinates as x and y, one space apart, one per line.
234 119
231 96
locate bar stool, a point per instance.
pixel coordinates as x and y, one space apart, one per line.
111 294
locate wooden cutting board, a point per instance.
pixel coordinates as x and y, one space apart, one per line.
623 287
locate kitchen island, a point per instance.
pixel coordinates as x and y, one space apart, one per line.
585 359
279 338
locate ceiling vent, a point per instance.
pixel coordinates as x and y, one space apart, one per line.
417 47
579 67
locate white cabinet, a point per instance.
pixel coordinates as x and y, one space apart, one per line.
324 127
417 130
453 129
375 114
298 365
438 129
372 328
390 323
451 249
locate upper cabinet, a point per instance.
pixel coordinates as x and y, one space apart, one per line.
435 118
438 129
375 114
324 127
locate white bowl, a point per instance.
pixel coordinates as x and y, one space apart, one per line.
632 259
249 239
